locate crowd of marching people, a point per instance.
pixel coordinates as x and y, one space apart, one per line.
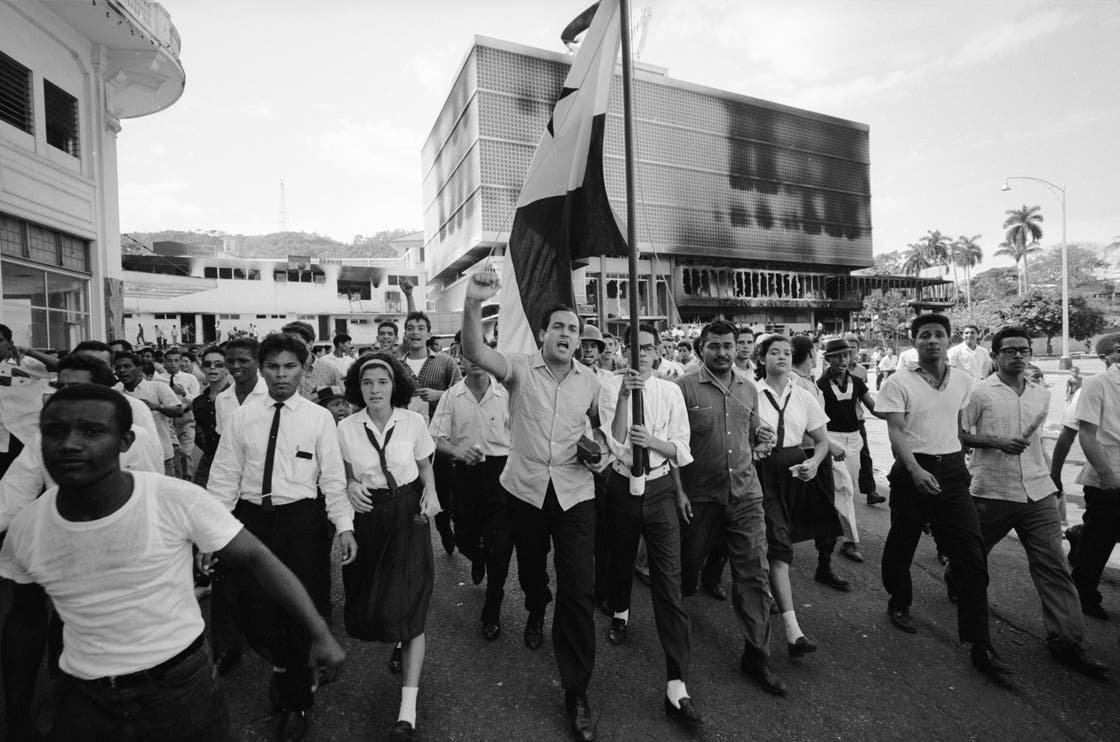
149 477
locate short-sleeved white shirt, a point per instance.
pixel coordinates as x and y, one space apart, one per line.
121 584
931 414
1099 405
410 443
159 393
803 411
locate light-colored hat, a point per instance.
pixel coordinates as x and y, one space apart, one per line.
591 332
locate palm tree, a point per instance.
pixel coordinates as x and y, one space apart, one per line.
967 253
914 260
1024 230
938 251
1019 253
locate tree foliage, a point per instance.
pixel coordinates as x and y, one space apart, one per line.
887 316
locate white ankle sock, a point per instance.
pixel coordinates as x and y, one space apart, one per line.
624 615
675 691
793 631
408 705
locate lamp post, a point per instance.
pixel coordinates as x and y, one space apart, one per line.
1065 363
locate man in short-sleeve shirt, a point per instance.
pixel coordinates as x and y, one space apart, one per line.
552 493
930 484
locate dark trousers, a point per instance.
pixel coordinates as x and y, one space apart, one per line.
441 471
956 527
572 534
1099 534
482 530
742 525
602 539
183 705
866 465
654 516
29 628
293 533
712 573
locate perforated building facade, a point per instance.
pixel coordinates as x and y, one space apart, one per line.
723 181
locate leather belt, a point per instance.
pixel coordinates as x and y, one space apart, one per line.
656 473
152 673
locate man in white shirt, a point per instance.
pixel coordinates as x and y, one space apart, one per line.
471 428
186 387
930 484
969 355
273 456
112 549
646 506
1012 488
331 368
241 363
744 351
159 398
885 367
1098 416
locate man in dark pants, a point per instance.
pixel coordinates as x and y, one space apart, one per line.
275 454
1098 415
930 484
725 497
471 428
552 492
646 506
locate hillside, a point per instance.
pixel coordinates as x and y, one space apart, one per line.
275 245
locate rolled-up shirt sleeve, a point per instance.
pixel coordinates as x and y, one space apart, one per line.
332 478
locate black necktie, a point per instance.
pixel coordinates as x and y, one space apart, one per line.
270 459
781 434
381 455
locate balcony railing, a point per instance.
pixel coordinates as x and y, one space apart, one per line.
152 17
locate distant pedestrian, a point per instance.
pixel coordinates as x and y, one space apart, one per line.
1073 383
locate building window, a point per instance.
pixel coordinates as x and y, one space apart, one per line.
210 271
15 94
62 118
44 308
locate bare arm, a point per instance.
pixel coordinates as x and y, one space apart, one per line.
481 287
1095 455
1061 451
869 403
246 552
429 503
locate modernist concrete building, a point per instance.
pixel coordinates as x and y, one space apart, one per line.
69 72
212 291
747 209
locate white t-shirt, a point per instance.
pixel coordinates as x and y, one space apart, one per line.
121 584
931 425
1099 404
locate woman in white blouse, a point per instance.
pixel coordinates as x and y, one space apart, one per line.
792 412
387 450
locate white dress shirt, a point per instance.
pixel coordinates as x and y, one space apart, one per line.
666 417
409 443
466 422
994 409
802 410
158 393
225 404
977 362
189 384
307 456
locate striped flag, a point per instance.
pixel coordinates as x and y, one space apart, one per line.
563 215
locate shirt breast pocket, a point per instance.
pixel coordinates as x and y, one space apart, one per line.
305 463
700 420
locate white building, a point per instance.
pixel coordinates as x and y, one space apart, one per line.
69 72
212 292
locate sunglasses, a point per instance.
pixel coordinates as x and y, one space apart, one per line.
213 364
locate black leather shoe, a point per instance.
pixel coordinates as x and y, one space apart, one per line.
686 714
1074 657
616 634
985 659
447 538
401 732
534 630
293 727
491 631
226 660
579 714
851 551
902 620
874 498
396 662
716 591
801 647
833 580
1094 610
478 572
758 669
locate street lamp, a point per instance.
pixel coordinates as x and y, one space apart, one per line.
1065 363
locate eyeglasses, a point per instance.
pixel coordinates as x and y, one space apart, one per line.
647 348
1015 351
213 364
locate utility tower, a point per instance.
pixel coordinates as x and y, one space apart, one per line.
283 209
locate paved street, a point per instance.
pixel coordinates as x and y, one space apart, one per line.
867 681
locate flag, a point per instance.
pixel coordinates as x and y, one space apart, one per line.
563 214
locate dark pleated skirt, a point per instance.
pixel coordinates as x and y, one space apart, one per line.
389 585
795 511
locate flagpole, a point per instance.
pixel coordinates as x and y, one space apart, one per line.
639 466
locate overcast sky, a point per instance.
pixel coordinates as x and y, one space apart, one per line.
336 97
